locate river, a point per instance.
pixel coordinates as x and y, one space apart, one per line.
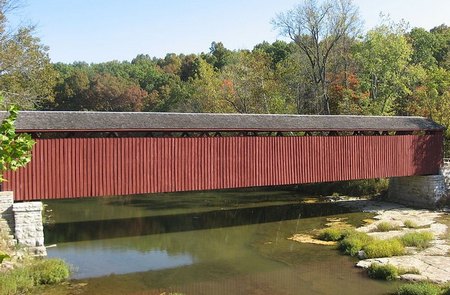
226 242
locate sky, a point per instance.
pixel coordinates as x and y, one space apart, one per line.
104 30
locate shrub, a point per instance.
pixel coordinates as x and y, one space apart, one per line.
23 279
410 224
332 234
353 242
50 271
383 271
16 281
384 248
386 226
420 240
419 289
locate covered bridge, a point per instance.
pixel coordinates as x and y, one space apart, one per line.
86 154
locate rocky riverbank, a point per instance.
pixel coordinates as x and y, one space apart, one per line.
431 263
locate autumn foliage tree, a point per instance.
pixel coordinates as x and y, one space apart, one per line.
109 93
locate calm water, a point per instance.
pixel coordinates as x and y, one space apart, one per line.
232 242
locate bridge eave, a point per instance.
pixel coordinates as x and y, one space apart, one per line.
229 130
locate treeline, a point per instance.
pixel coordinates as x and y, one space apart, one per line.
327 67
386 72
218 81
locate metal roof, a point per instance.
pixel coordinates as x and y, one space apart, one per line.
58 121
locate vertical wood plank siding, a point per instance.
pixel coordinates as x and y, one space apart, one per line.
86 167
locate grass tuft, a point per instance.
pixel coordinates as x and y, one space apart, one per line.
356 241
353 242
410 224
420 289
387 272
386 226
16 281
384 248
333 234
420 240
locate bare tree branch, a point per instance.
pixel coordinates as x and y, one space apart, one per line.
316 29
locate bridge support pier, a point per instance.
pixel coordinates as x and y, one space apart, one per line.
29 229
6 219
22 223
418 191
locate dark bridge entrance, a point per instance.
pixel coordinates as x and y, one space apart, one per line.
84 154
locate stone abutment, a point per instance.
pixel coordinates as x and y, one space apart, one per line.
429 191
21 223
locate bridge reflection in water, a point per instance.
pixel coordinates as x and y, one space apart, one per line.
195 247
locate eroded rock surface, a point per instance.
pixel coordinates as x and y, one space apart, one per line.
433 263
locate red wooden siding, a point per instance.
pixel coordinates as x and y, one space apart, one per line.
84 167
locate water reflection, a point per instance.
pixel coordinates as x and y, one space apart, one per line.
217 244
141 226
100 261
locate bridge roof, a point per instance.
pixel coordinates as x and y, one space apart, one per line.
61 121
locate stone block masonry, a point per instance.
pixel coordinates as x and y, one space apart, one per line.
7 216
445 170
22 223
418 191
29 230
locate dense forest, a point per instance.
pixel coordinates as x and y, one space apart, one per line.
325 64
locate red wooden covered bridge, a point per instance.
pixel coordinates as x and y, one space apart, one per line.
86 154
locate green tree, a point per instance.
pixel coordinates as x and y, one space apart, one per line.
278 50
119 69
430 95
442 55
15 149
145 72
206 91
219 55
250 85
27 77
171 64
383 58
189 67
291 76
71 90
425 47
